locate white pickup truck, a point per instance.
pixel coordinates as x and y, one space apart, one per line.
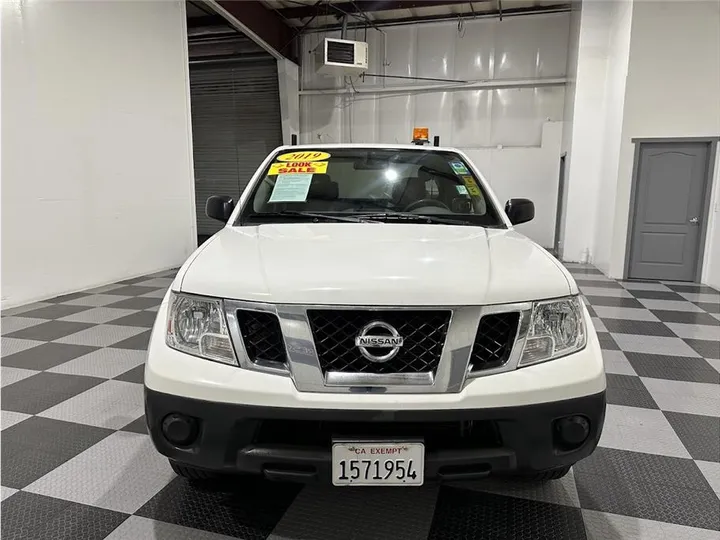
369 316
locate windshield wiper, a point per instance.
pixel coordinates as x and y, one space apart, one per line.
387 214
311 215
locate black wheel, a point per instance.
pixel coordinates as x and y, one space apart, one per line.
191 473
552 474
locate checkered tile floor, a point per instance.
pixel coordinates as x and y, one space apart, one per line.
77 464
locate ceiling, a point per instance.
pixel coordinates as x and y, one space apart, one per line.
328 13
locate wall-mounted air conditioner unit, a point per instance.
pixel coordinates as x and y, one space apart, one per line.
341 57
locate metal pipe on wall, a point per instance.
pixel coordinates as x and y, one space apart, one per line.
472 85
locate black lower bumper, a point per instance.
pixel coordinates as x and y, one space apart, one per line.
296 443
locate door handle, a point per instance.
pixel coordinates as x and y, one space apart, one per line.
695 221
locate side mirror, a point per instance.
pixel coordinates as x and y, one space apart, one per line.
219 207
520 210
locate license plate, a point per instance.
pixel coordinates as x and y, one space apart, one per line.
378 463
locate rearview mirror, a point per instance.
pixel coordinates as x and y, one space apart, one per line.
520 210
219 207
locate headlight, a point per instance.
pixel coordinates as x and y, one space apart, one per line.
557 328
196 325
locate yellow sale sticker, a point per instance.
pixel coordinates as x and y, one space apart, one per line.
299 167
304 156
472 187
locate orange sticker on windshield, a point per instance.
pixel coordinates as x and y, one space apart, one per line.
304 156
472 187
301 167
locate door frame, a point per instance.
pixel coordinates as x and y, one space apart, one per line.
712 143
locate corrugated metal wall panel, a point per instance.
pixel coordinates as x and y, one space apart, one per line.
236 122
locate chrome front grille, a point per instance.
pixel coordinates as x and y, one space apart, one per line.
442 348
334 332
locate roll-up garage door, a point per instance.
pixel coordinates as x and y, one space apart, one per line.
235 109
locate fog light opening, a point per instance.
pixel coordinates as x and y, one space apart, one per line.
571 432
179 429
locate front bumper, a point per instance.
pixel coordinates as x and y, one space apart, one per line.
292 443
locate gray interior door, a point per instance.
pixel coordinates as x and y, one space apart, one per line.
668 213
235 108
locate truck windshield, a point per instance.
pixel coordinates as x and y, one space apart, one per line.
390 185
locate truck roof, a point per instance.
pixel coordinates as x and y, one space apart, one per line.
426 147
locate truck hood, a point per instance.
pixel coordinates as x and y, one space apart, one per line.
373 264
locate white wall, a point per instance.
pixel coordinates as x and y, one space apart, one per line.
505 129
646 69
96 170
289 86
673 89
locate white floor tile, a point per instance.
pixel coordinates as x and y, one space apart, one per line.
616 362
5 492
686 397
122 472
98 315
10 346
107 363
602 526
599 325
641 286
11 375
701 297
111 404
670 346
695 331
96 300
140 528
10 418
641 430
711 471
633 314
104 335
671 305
9 325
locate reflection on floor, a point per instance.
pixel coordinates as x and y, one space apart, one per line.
76 463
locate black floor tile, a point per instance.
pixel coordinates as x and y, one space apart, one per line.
673 368
583 281
135 375
685 317
640 328
136 303
50 331
656 295
247 508
133 281
138 342
67 297
46 356
710 307
705 348
628 390
647 486
699 434
144 319
614 301
36 446
137 426
472 515
44 390
607 343
691 288
27 516
55 311
131 290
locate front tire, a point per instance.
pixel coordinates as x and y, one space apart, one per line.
191 473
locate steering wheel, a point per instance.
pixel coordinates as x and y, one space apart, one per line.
425 202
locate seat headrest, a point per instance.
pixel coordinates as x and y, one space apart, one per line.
409 190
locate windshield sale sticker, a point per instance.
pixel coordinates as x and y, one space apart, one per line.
301 167
462 190
291 188
458 167
472 187
304 156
